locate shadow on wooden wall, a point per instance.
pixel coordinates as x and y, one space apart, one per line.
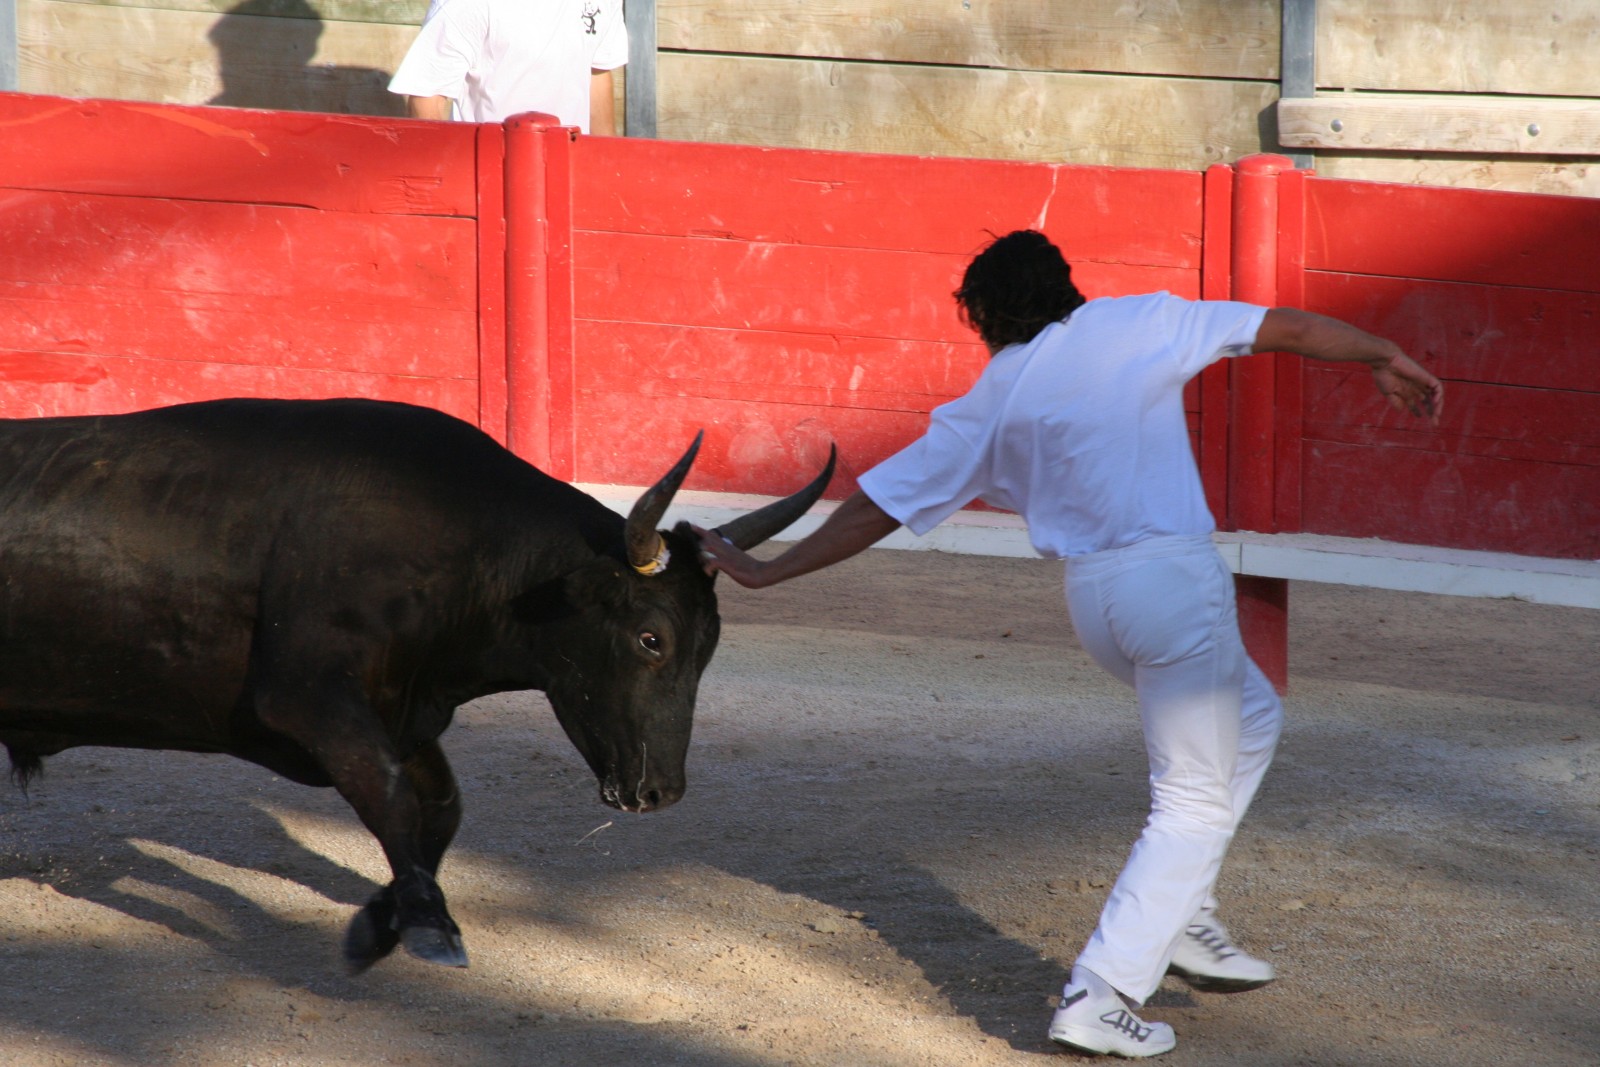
283 76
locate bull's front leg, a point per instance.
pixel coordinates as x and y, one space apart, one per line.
412 807
406 910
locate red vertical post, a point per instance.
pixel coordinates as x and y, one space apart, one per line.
559 304
527 289
491 200
1252 466
1290 427
1216 283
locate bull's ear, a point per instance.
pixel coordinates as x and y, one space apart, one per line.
546 602
601 583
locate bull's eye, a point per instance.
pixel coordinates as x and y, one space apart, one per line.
650 642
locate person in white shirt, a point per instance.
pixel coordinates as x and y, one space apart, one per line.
486 60
1077 424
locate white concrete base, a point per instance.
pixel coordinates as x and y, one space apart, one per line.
1309 557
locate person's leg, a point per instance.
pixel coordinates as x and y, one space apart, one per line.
1260 727
1170 618
1205 955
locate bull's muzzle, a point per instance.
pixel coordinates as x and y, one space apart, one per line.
644 795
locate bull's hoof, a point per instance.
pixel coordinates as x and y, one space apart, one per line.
429 943
370 937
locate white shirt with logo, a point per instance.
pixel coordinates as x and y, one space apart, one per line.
498 58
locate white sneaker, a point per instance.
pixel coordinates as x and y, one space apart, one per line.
1104 1025
1210 962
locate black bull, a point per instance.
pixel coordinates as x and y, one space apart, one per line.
316 586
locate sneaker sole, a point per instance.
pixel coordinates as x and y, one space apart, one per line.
1206 983
1062 1037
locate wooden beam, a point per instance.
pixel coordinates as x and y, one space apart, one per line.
1552 175
1522 47
1201 39
1442 123
72 49
399 12
1178 123
1299 58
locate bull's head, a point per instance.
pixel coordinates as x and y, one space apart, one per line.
624 685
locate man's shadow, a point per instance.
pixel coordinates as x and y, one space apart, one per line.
265 50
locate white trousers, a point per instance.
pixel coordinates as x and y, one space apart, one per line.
1161 616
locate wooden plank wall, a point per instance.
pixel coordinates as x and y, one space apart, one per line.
787 299
1103 82
1494 50
151 255
293 55
1500 295
1097 82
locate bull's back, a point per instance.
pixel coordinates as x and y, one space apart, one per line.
137 551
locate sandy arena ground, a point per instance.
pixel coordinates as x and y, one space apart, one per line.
909 790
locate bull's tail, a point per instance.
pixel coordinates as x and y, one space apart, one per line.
25 766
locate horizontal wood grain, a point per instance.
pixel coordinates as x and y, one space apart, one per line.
324 162
1550 175
652 361
1486 46
945 206
193 282
1543 242
386 11
200 57
1202 38
32 386
1472 502
759 448
797 288
1094 119
1481 125
1494 334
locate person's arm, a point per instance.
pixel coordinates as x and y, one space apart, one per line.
602 104
1408 385
857 525
428 107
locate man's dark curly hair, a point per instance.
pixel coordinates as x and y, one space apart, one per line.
1016 287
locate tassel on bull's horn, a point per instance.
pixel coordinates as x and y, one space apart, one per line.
647 551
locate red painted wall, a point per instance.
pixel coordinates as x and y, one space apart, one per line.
635 291
785 299
1500 294
153 254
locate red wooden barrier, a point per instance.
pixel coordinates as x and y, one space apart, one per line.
595 301
1500 293
784 300
152 254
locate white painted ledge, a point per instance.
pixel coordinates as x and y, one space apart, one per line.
1307 557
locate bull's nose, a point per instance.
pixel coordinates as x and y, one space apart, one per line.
651 799
645 798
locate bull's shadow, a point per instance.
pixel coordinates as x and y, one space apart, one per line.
162 852
183 843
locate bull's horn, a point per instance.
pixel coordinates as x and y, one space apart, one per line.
750 530
647 552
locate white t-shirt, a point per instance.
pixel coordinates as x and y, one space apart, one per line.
498 58
1081 431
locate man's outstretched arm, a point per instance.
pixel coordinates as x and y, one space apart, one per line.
857 525
1407 384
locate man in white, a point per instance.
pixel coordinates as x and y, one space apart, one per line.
1077 424
486 60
